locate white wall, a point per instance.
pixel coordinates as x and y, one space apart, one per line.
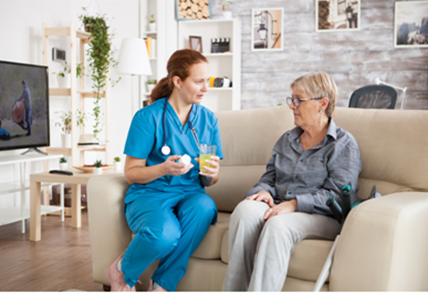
21 41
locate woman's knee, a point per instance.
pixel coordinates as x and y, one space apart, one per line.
200 206
249 211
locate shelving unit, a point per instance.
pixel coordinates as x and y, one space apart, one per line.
165 35
22 212
77 96
221 64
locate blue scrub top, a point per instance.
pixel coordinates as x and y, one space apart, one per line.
145 140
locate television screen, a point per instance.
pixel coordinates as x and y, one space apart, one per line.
24 106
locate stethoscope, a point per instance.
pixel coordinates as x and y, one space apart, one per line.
166 150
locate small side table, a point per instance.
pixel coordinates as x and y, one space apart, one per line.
76 180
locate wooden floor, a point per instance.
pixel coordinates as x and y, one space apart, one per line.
59 262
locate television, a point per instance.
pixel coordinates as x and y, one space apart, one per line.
24 106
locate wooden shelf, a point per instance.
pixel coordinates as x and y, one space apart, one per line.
67 92
66 32
58 150
91 148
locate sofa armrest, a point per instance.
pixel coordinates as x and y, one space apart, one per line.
108 230
384 246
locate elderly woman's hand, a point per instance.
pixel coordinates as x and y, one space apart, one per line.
284 207
263 196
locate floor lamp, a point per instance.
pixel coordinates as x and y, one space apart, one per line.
133 60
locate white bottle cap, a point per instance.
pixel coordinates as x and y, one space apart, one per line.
185 159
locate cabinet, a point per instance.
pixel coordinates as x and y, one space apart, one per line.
78 39
220 64
165 35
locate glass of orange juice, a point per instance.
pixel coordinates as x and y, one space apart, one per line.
205 153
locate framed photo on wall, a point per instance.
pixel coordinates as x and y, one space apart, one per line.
411 24
193 10
337 15
267 29
195 43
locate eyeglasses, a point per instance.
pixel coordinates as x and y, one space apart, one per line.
296 101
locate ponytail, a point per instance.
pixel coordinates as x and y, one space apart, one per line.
163 89
178 65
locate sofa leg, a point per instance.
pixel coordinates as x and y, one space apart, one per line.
106 288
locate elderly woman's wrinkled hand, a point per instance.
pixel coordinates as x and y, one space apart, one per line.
262 196
284 207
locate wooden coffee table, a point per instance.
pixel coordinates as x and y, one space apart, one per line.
76 180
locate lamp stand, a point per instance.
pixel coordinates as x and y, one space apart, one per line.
132 96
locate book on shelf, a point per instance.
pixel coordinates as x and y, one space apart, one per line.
151 47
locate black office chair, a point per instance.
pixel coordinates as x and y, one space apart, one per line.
374 96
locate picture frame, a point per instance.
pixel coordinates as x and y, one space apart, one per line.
195 43
411 24
193 10
337 15
267 29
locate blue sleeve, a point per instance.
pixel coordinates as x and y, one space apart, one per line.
216 139
141 136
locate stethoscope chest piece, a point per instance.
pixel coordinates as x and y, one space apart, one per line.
166 150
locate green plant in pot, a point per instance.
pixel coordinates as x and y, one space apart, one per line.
117 163
63 163
98 167
152 23
151 84
64 72
226 14
64 123
100 59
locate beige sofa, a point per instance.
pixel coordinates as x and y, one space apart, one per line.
384 242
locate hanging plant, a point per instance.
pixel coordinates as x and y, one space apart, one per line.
100 59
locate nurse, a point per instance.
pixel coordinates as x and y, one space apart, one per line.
166 206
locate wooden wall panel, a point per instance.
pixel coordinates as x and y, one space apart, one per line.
353 58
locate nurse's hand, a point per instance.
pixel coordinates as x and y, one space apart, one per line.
173 168
213 169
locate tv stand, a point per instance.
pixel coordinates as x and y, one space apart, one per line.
36 150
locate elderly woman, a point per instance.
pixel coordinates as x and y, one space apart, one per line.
309 164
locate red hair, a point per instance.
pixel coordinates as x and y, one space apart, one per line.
178 65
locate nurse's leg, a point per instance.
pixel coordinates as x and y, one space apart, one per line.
156 229
196 212
279 236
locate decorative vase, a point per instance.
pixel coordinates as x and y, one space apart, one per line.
63 166
66 140
98 170
152 27
150 87
227 15
117 166
64 82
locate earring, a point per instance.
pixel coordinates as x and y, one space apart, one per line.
320 110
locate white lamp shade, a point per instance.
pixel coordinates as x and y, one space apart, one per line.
133 58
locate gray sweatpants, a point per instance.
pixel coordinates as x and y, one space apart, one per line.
259 251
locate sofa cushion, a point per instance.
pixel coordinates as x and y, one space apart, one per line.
306 261
211 244
231 189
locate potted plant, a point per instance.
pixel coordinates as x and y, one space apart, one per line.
100 59
63 74
117 163
152 23
65 124
151 84
98 169
63 163
226 14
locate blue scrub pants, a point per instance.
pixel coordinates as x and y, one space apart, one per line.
167 226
